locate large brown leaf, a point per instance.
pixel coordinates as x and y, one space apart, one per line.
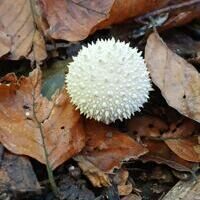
18 33
74 20
106 147
178 80
29 122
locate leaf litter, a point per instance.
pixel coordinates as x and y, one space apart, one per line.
51 131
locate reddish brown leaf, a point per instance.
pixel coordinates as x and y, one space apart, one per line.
18 33
161 154
28 121
149 126
74 20
178 80
182 129
179 138
181 18
106 147
185 148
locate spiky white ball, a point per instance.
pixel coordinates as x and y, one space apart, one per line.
108 81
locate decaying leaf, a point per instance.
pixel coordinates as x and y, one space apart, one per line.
182 18
149 126
74 20
97 177
30 123
185 148
172 144
178 80
183 128
120 179
74 188
106 147
18 33
160 153
17 175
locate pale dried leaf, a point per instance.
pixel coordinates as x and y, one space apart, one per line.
5 43
18 33
178 80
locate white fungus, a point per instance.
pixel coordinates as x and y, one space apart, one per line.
108 80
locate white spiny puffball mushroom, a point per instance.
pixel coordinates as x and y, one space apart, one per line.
108 81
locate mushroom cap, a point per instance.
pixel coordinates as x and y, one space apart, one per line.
108 80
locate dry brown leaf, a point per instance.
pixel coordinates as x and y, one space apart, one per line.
185 148
160 153
181 18
125 190
120 179
97 177
149 126
106 147
18 33
74 20
178 137
182 129
28 120
178 80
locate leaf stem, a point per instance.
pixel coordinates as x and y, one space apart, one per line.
48 166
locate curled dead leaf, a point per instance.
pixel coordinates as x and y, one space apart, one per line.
181 18
160 153
97 177
124 187
178 80
30 124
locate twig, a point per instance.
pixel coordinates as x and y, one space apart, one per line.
46 154
168 9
